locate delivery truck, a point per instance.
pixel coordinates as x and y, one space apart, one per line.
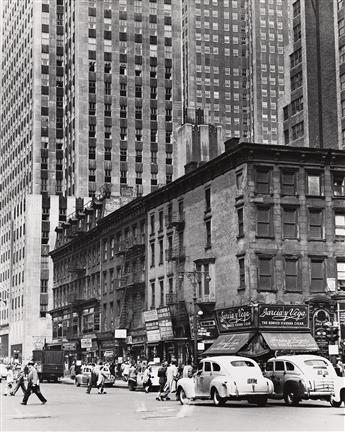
50 364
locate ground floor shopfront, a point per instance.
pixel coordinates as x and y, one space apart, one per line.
263 330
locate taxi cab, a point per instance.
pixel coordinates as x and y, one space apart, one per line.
224 378
301 377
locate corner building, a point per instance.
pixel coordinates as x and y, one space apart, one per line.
264 224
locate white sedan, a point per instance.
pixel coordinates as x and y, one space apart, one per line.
226 378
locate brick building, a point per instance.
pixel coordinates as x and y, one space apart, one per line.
264 224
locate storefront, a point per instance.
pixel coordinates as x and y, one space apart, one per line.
261 331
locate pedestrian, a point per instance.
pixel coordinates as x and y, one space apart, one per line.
132 376
20 381
188 370
147 378
101 379
9 380
33 385
172 377
93 378
162 375
339 367
125 370
72 371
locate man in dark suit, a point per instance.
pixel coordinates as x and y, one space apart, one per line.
33 385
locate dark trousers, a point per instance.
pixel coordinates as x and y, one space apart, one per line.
92 382
33 389
20 383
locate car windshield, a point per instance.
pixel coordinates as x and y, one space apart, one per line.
315 363
242 363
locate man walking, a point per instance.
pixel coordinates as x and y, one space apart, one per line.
33 386
20 381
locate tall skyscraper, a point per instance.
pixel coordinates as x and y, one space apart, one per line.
90 95
311 108
233 64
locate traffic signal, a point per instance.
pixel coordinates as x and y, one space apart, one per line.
332 334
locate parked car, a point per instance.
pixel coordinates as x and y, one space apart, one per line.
339 392
83 377
154 376
3 371
226 378
301 377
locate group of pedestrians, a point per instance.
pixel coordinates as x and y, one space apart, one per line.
29 372
97 378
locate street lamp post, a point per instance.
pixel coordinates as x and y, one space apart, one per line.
195 278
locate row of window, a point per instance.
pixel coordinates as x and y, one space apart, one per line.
292 273
289 183
290 223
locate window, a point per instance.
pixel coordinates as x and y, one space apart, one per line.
341 27
153 295
288 183
296 8
292 279
342 82
208 234
341 276
339 223
161 258
297 32
342 56
289 366
160 219
297 105
207 200
152 246
161 289
315 224
290 223
262 180
296 58
265 274
296 81
242 273
152 223
317 275
313 184
264 221
338 184
279 366
240 222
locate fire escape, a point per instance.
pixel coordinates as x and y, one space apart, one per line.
132 275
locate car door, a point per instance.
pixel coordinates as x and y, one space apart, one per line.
207 378
278 377
199 379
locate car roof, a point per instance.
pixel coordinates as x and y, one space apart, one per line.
298 358
226 359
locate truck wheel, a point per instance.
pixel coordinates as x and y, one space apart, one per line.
290 397
217 400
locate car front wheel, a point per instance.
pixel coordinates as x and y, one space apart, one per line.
335 404
182 396
217 400
291 398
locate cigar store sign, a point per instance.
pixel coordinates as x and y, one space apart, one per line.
283 316
235 318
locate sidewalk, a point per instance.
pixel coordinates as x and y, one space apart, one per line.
118 383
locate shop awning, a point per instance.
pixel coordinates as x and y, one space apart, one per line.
228 343
290 341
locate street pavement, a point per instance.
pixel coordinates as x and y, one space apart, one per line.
69 408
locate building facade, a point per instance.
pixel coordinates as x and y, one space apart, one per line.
261 228
311 108
233 64
90 96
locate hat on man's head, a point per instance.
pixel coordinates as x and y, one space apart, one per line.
31 363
